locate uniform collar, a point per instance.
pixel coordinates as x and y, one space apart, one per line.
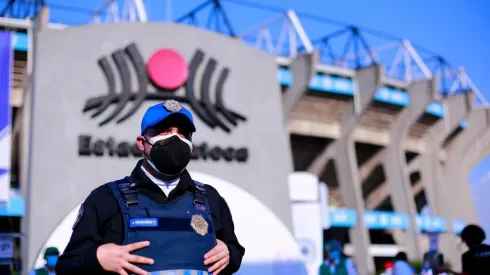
141 179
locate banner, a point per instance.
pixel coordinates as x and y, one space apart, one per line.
20 42
5 74
6 247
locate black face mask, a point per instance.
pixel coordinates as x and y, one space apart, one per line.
170 155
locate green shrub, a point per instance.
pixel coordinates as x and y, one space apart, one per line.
417 264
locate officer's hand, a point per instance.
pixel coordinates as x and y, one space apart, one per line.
117 258
220 256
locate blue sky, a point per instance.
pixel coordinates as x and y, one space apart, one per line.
457 30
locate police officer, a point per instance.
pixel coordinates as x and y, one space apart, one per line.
157 219
51 257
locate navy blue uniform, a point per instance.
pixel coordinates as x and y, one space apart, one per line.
476 261
174 222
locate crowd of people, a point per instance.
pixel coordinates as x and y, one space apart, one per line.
476 261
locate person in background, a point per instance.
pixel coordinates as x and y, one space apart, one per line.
426 268
51 255
433 262
336 262
476 261
401 265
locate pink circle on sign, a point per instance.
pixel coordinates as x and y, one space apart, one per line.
167 69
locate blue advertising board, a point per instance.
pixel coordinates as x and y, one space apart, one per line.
385 220
345 86
342 217
20 42
433 224
15 206
5 129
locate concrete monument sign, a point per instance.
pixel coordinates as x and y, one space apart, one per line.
92 85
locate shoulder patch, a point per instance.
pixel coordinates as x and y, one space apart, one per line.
199 183
200 186
79 217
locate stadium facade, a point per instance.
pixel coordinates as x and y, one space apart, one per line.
387 137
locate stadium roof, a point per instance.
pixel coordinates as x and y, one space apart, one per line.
341 47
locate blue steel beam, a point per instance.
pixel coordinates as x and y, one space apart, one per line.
320 82
410 63
21 9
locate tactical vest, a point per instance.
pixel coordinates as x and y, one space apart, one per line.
340 269
41 271
180 233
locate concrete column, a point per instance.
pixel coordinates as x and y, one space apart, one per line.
478 122
368 80
455 196
24 168
381 193
458 180
474 155
40 23
303 69
395 164
372 163
365 170
457 107
478 151
319 163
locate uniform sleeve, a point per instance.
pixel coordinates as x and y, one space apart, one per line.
80 255
466 261
229 238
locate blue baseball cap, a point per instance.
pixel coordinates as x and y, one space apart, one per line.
159 112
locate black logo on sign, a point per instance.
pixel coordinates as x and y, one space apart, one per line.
166 71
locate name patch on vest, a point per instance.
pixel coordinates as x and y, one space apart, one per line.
147 222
